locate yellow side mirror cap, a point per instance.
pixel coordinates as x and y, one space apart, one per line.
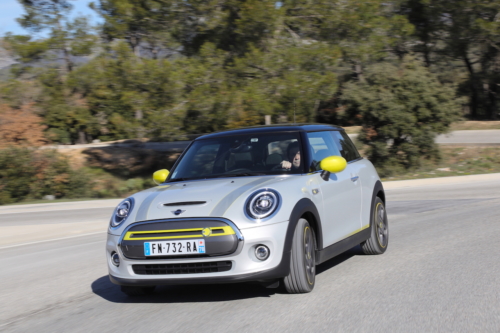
333 164
160 176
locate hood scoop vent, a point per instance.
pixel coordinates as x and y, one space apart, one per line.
184 203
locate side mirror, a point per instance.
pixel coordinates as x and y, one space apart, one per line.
332 164
160 176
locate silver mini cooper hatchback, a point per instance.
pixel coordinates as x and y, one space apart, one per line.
265 204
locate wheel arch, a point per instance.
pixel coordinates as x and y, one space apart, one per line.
315 226
378 191
304 208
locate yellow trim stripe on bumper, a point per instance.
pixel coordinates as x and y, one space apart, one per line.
226 231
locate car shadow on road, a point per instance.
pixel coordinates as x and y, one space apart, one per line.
338 259
204 293
183 294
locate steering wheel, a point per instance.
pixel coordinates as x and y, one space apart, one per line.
278 167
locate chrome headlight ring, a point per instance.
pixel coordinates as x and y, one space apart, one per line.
121 212
262 203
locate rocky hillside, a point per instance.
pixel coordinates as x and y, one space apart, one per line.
5 59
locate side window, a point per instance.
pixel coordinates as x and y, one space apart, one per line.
321 145
345 145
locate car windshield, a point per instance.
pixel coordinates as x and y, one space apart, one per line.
241 155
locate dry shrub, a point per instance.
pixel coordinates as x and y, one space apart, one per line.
21 127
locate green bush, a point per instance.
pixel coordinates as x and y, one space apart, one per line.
31 174
401 108
16 174
34 173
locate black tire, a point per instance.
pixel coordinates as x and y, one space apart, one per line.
137 291
379 235
303 260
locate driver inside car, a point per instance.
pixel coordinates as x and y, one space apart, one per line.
293 154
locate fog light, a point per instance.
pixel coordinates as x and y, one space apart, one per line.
262 252
115 259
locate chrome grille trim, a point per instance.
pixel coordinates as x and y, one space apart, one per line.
184 203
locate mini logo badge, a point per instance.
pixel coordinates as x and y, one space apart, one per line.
178 211
206 232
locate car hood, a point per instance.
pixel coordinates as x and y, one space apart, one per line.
203 198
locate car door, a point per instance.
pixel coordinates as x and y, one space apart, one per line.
355 166
341 192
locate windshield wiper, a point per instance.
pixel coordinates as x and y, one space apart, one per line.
242 174
179 179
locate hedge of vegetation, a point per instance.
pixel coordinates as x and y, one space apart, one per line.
27 174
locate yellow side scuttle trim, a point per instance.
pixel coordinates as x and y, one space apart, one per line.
359 230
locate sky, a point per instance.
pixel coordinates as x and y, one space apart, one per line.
12 9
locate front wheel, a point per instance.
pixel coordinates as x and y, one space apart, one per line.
379 235
302 274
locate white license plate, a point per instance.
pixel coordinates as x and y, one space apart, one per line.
178 247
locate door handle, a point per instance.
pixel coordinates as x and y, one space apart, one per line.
354 178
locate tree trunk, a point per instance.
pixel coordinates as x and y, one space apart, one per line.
358 69
492 95
427 57
67 59
81 137
138 114
134 42
474 101
315 111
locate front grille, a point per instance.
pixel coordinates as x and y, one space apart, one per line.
220 237
179 233
191 268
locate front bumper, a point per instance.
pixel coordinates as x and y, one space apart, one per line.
244 265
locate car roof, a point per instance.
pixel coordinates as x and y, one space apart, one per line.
273 129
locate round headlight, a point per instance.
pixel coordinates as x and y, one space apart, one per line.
262 203
122 212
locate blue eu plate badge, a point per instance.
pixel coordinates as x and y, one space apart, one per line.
201 247
147 251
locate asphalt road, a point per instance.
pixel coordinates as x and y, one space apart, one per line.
440 273
56 217
26 224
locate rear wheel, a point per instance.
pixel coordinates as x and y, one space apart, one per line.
137 291
302 274
379 236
